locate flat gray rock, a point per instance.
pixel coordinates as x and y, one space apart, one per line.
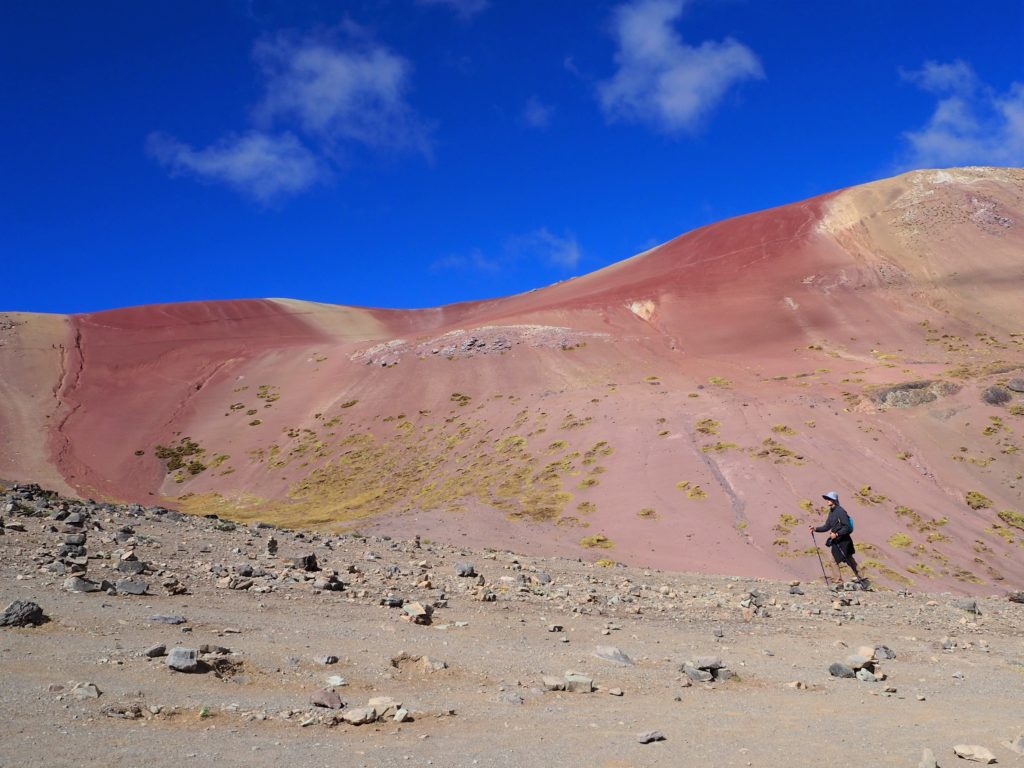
156 651
647 737
78 584
612 654
132 587
171 619
183 659
841 670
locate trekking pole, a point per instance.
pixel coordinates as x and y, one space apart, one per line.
818 553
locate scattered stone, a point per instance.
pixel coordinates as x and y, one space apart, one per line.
884 652
84 691
555 628
798 685
402 715
465 569
578 683
1017 745
697 675
171 619
307 563
327 699
417 613
359 716
552 683
22 613
841 670
968 604
509 697
156 651
132 587
1016 597
974 753
336 681
132 567
865 675
615 692
927 759
428 665
327 660
612 654
78 584
183 659
648 737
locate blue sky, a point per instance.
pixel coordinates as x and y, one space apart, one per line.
410 153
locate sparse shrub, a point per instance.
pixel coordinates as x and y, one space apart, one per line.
978 500
647 514
718 381
588 482
255 422
597 541
996 395
697 493
604 562
586 507
349 403
682 485
782 429
718 447
900 540
708 426
1015 519
806 505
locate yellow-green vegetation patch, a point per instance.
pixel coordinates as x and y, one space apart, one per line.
718 447
885 570
868 497
647 513
786 522
1015 519
682 485
268 393
348 403
597 541
806 505
604 562
184 457
719 381
460 399
904 455
697 493
708 426
978 500
588 482
782 429
900 540
586 507
921 569
773 449
558 445
572 421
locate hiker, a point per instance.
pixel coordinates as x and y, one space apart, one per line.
839 527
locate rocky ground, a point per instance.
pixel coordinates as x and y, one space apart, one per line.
167 640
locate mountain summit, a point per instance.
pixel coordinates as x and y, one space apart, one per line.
684 408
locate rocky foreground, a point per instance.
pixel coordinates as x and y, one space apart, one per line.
153 638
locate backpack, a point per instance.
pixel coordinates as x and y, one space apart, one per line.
849 517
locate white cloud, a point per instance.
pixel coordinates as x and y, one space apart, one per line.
265 166
563 252
661 80
536 114
972 123
338 95
464 8
542 245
